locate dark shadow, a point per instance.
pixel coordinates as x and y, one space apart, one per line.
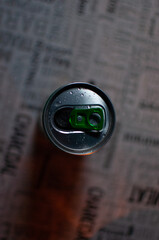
47 204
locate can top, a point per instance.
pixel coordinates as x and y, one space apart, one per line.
78 118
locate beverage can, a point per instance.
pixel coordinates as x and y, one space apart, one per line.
78 118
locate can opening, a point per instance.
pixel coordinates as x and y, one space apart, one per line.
61 118
77 118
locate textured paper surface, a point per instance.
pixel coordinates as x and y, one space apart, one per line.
46 194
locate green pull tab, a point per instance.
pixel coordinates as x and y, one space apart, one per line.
90 119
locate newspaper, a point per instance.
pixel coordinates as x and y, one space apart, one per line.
45 193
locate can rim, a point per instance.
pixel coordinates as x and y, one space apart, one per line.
103 96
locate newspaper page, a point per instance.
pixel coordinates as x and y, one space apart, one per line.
47 194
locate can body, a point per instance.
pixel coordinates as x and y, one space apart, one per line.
78 118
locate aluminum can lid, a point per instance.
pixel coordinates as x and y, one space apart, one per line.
78 118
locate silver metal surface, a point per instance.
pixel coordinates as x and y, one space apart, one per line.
82 95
